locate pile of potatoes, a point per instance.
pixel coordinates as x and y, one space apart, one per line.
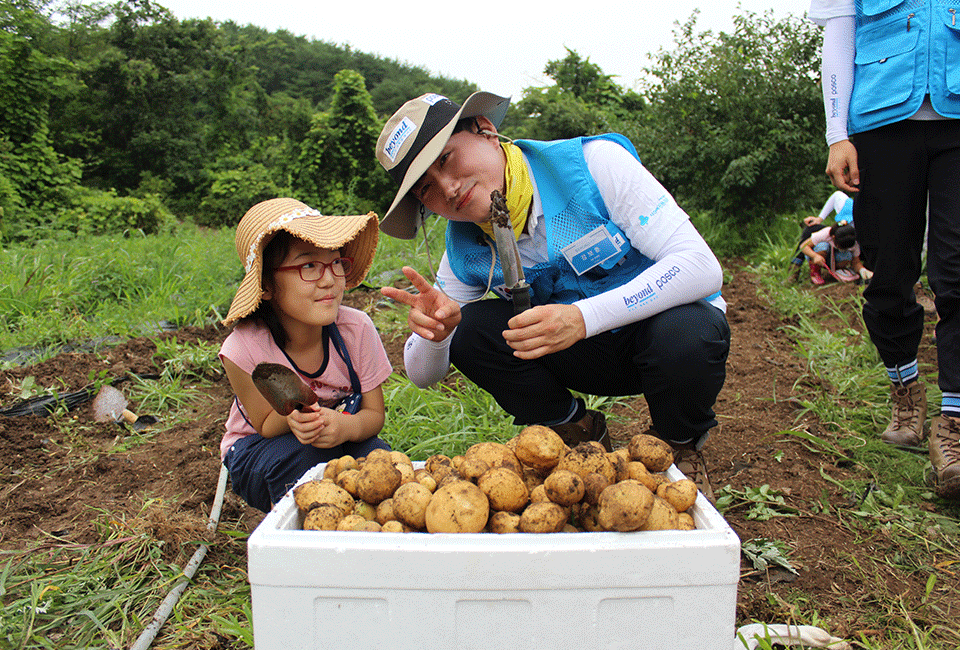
533 484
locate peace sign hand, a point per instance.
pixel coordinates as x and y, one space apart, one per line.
432 314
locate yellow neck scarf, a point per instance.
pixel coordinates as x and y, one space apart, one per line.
519 190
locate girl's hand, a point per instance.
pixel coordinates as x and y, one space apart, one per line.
432 314
545 329
818 260
306 425
320 427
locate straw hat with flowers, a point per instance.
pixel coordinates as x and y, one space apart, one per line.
355 235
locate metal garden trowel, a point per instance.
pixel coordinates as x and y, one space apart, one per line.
283 388
110 405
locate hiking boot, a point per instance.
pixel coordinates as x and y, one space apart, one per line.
909 412
592 427
945 456
793 275
690 461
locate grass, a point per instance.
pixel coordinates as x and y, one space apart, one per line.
61 595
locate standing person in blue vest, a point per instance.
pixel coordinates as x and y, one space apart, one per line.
891 85
646 316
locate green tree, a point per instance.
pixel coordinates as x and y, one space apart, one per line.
734 119
336 168
31 170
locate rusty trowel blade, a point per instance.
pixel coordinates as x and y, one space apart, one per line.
109 404
282 388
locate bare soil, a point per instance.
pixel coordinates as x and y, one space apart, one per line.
60 474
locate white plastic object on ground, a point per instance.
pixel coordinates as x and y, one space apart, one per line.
805 636
150 632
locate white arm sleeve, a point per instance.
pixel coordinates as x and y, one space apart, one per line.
836 74
685 269
834 204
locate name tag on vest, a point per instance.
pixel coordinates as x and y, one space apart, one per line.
594 248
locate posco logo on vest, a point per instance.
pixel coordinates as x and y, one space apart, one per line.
639 298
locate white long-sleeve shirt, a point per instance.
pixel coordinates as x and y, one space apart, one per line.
684 269
836 65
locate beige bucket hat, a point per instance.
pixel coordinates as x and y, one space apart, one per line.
356 235
414 137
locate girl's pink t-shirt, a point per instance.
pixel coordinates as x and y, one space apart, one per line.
250 343
823 235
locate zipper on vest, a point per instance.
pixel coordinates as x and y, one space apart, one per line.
953 12
908 21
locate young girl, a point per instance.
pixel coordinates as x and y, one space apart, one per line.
839 244
287 311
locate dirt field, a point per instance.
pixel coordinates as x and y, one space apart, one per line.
45 487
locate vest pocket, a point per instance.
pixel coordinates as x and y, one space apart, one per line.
952 49
876 7
885 62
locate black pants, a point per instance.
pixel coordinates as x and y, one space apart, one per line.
901 165
676 359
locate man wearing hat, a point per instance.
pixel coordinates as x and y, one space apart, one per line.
624 290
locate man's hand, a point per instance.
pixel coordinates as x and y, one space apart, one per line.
545 329
432 314
842 166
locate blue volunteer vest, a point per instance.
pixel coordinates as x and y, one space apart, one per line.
905 50
572 207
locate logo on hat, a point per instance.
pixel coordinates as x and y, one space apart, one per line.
404 130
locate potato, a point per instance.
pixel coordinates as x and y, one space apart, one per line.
407 474
494 454
345 463
570 528
351 522
378 479
624 506
619 460
539 494
504 488
458 507
662 516
379 454
587 516
473 468
654 453
564 487
398 457
331 469
532 478
435 461
539 447
425 479
365 510
385 511
639 472
588 457
410 504
685 521
392 526
347 479
593 485
325 516
370 527
681 494
543 517
504 522
311 494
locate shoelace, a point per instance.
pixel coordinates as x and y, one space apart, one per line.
950 440
905 415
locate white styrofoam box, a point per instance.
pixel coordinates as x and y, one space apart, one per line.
342 590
